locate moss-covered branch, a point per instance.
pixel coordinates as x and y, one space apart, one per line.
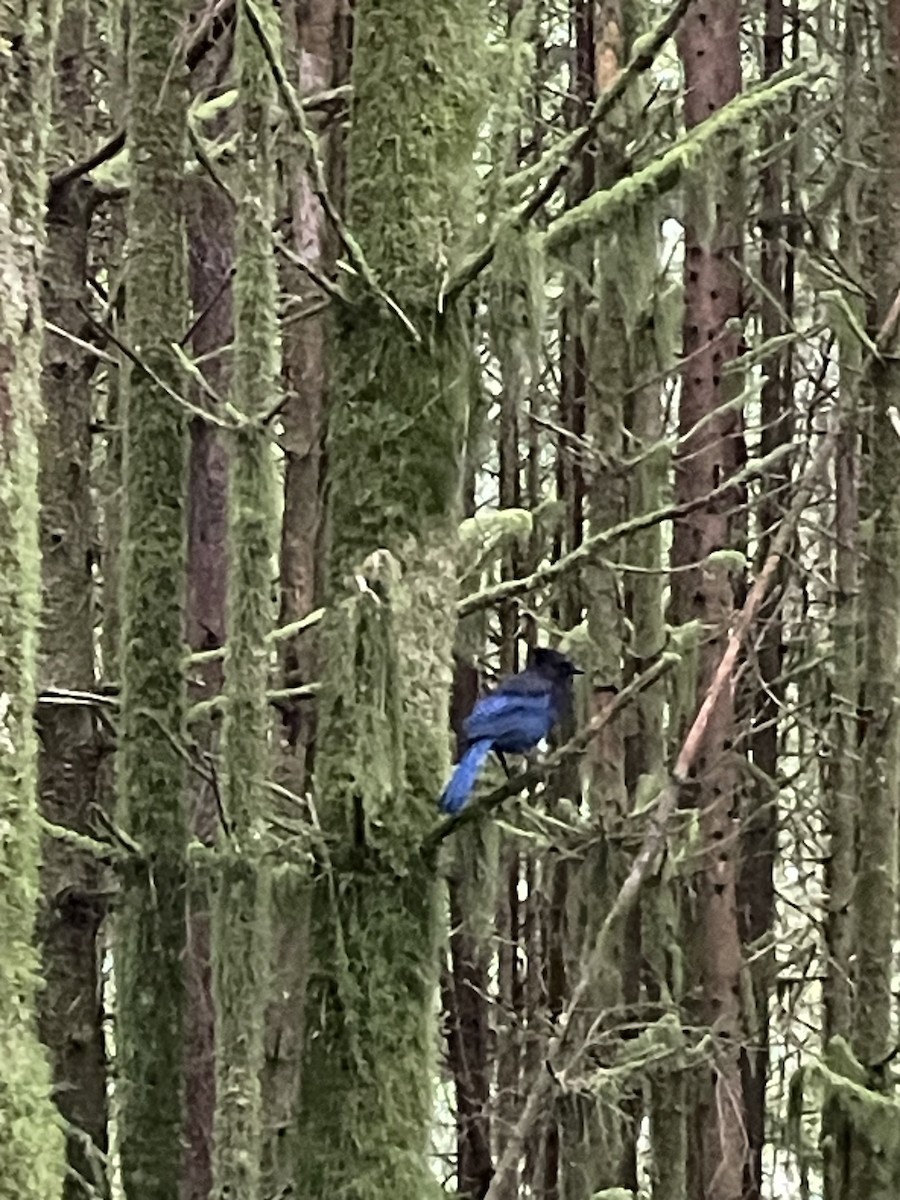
667 171
559 160
507 588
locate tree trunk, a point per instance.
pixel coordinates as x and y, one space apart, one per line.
73 884
710 51
210 221
242 908
150 926
876 881
759 829
31 1144
316 48
395 479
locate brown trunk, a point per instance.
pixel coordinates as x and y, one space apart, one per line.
73 887
759 833
710 51
317 40
71 1010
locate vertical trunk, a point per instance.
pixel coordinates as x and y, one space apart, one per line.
72 884
759 831
31 1145
842 779
566 1150
316 49
710 52
210 221
242 912
843 767
508 1080
876 883
151 921
395 457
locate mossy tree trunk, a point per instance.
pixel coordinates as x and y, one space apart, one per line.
210 219
31 1143
242 914
395 473
876 883
73 884
150 924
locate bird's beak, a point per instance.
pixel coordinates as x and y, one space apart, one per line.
577 671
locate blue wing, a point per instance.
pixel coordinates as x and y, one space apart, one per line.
513 721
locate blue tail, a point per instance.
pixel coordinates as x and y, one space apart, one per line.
458 790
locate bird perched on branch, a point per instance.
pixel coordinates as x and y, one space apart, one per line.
512 719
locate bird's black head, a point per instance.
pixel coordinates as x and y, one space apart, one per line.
552 664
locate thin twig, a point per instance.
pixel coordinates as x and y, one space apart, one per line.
101 851
134 358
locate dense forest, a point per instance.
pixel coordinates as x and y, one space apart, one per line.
359 358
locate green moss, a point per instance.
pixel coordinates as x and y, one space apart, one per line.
242 929
395 450
31 1142
150 925
602 209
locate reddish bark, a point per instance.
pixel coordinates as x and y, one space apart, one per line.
710 51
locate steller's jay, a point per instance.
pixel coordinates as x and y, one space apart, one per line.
512 719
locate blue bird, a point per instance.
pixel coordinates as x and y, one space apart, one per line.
512 719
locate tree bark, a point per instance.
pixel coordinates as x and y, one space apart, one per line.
708 43
73 884
32 1162
151 922
395 480
876 882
